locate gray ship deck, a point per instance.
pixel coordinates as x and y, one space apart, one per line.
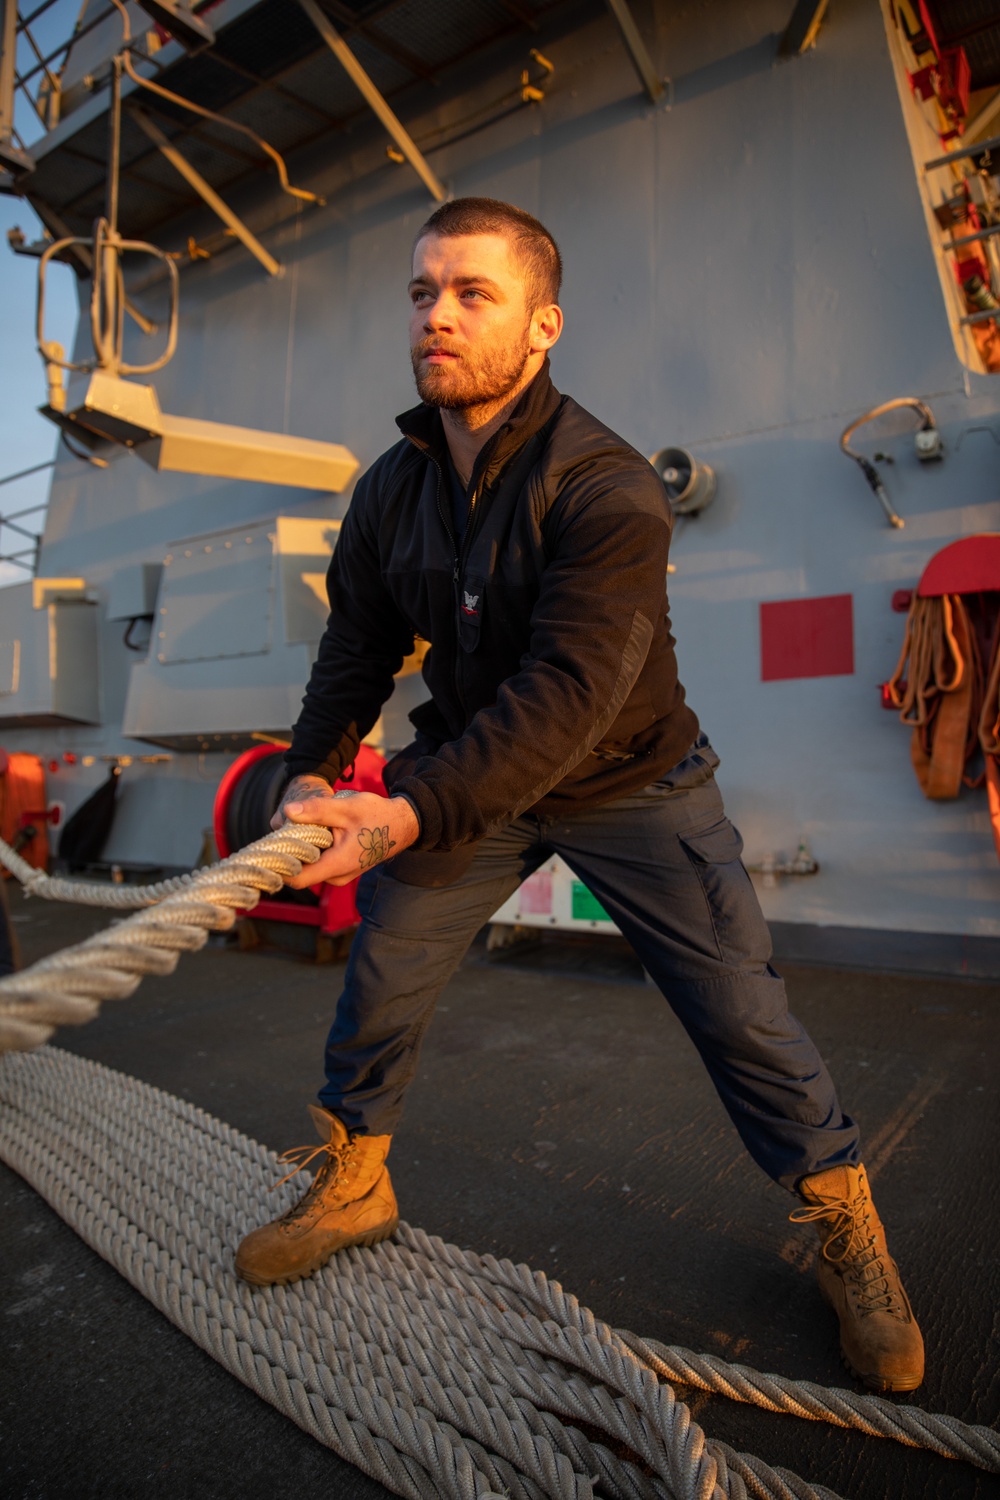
560 1117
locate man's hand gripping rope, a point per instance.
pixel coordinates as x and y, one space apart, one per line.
366 828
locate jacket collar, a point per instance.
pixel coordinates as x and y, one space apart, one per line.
422 425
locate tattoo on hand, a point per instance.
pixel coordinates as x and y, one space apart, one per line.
375 845
295 793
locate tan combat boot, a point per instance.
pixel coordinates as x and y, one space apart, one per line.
879 1337
350 1202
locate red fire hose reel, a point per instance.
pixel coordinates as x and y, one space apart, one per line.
248 795
969 566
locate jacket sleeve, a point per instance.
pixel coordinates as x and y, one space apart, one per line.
362 649
602 591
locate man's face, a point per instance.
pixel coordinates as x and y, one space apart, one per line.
470 328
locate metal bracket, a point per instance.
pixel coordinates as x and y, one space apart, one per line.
208 194
637 50
803 28
360 78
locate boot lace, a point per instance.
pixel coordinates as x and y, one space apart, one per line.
851 1244
335 1164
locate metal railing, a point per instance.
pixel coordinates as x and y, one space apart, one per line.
24 557
43 65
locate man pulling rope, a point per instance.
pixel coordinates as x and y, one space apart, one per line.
528 543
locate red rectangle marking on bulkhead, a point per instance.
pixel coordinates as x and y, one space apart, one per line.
807 638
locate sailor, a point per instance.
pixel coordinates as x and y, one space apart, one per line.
527 543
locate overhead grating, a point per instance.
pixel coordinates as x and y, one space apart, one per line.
975 26
270 69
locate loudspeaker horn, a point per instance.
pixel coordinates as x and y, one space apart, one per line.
690 486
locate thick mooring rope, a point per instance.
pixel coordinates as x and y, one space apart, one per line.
801 1398
435 1371
66 989
89 892
438 1372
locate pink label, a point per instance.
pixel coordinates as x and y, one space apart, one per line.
536 895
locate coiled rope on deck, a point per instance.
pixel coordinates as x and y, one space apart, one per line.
440 1373
437 1371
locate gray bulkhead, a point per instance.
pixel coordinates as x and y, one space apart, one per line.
747 268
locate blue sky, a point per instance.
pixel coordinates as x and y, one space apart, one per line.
25 437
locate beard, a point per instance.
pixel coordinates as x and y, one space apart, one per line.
473 379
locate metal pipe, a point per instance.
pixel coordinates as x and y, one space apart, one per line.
981 317
81 254
8 47
868 469
21 474
979 149
637 49
114 145
21 531
970 239
78 34
42 504
363 83
27 20
43 62
105 301
36 468
210 196
20 83
50 351
210 114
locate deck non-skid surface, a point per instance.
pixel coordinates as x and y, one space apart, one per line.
560 1117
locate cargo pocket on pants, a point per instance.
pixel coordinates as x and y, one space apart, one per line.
738 925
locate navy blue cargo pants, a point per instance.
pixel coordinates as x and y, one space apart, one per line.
665 865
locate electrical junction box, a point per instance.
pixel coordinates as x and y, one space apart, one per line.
48 654
238 618
557 900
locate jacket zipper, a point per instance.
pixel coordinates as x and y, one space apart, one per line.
460 553
446 523
470 525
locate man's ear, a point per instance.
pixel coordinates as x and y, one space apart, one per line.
546 326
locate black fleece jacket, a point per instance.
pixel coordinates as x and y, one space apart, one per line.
551 672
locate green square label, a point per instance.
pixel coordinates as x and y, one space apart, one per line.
586 907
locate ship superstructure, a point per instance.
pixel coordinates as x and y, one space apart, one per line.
775 219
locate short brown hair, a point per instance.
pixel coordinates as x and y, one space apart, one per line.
535 247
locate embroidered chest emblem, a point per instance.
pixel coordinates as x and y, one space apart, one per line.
470 603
